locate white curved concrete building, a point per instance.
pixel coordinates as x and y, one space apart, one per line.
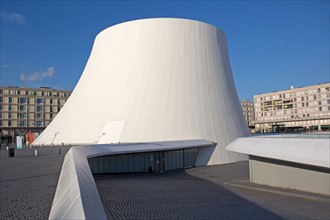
153 80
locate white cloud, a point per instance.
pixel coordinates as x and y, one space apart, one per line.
13 18
37 76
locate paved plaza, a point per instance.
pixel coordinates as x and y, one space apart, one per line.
28 182
214 192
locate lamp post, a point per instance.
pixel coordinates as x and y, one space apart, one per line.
54 139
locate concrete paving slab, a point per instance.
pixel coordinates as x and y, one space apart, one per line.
28 182
201 193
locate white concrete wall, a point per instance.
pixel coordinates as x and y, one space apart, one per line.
167 79
289 177
76 194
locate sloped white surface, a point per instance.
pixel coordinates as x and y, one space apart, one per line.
312 151
169 79
76 195
111 132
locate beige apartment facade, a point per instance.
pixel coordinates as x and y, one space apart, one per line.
248 112
25 110
297 109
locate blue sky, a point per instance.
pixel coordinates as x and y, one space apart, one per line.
272 44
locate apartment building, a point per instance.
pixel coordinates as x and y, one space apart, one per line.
25 110
248 112
296 109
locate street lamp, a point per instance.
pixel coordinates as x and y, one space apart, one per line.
54 139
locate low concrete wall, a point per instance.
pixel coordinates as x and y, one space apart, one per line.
76 195
289 175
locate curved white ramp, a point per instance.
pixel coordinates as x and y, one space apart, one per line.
76 194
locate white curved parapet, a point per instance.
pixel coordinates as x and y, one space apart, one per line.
150 80
76 194
304 150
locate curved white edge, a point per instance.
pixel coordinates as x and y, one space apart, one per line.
76 195
310 151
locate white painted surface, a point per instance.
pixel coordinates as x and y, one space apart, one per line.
76 195
312 151
168 78
111 132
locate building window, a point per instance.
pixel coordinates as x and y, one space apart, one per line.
10 107
39 123
320 103
327 89
306 103
318 90
1 91
39 101
1 99
302 104
314 97
26 92
18 92
40 108
22 108
1 107
320 109
22 115
23 100
10 99
22 123
302 99
51 101
9 123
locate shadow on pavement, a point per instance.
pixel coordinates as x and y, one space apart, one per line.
173 195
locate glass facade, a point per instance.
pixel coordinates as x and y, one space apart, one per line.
159 161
